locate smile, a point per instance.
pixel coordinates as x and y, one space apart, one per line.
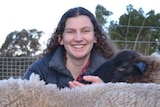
78 46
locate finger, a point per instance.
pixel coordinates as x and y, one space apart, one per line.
93 79
73 84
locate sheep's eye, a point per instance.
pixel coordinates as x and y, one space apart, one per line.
120 69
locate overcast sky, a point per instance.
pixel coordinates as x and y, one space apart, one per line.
45 14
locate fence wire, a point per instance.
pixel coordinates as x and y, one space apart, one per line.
16 66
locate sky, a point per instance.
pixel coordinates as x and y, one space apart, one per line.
44 15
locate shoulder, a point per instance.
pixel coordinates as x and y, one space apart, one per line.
41 64
37 67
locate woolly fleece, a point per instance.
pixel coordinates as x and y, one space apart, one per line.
34 93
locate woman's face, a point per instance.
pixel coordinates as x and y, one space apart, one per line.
78 37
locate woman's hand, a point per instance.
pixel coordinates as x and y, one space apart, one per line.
92 79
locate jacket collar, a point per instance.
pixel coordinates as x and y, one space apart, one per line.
96 60
58 62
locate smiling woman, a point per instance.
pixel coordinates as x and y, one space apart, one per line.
78 40
76 48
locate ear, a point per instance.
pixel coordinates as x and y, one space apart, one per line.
60 40
95 39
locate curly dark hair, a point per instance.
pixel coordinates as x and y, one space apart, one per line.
104 44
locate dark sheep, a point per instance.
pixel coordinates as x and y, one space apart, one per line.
121 67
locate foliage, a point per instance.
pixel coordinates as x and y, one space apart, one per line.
102 14
21 43
136 26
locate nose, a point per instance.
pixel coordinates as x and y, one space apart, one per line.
78 37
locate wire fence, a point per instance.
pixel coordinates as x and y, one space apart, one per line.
16 66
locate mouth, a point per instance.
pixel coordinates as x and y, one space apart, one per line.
78 46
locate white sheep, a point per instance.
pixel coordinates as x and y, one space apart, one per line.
34 93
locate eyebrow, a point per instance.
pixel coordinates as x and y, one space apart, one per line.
82 28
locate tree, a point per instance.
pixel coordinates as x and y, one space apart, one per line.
21 43
136 26
102 14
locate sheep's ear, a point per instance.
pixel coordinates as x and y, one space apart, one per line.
142 58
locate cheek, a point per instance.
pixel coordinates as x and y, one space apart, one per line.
65 40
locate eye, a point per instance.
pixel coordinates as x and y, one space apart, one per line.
121 69
69 31
87 31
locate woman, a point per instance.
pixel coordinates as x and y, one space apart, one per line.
77 48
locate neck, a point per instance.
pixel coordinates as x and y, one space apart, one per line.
76 66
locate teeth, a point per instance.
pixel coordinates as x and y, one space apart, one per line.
78 46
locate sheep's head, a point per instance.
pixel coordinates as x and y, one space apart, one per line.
125 62
126 58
